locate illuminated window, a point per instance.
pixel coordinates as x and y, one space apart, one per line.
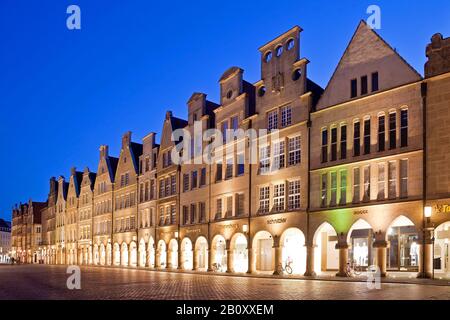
403 178
278 197
366 196
294 195
343 188
294 151
323 189
381 181
229 207
264 198
392 180
278 155
264 159
356 186
333 195
229 169
272 120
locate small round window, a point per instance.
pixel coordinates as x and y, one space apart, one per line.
261 91
268 57
290 44
296 74
279 51
229 94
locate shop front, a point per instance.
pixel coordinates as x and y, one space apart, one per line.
403 246
441 251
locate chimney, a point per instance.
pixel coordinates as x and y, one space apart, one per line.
126 139
168 115
104 151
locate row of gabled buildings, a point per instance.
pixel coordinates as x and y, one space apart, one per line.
353 173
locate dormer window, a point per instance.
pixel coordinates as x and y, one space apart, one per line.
268 57
261 91
290 44
279 51
296 74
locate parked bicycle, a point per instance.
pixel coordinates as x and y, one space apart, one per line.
286 269
216 267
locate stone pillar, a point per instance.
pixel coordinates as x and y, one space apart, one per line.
277 248
180 256
168 259
210 260
381 245
157 259
249 257
195 259
130 254
229 258
343 258
426 255
310 260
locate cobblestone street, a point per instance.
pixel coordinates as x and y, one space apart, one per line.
49 282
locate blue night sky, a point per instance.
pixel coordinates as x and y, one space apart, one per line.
64 93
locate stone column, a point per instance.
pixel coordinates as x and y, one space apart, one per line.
310 247
277 248
210 260
229 258
130 254
343 258
157 259
180 256
381 245
426 255
249 257
195 259
168 259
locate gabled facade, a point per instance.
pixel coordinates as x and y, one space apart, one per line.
147 201
103 207
168 196
126 184
71 220
60 220
85 212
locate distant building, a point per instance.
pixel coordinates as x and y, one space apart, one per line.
5 241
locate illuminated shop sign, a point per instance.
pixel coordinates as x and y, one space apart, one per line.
360 212
442 208
193 231
277 221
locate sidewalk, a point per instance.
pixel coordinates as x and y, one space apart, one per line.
392 277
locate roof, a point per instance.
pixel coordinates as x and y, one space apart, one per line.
230 72
136 152
5 225
178 123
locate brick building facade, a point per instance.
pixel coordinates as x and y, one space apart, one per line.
353 173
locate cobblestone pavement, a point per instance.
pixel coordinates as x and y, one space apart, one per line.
49 282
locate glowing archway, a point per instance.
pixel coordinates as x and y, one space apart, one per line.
293 250
326 257
239 251
263 252
201 253
219 254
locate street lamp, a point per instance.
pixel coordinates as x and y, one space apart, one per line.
245 228
428 212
